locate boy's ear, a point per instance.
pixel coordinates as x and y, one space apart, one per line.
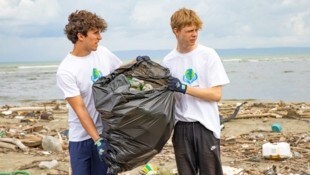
175 31
80 36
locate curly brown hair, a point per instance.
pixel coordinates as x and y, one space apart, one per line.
185 17
81 22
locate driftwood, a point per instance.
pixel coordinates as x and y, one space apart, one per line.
296 143
28 108
33 128
31 140
305 115
244 159
305 150
246 116
34 163
244 141
17 142
232 116
8 145
34 108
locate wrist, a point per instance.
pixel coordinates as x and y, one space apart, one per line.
98 140
184 88
96 137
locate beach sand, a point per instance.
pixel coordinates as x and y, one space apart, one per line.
241 139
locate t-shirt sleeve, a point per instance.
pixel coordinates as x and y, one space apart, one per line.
115 62
216 71
67 84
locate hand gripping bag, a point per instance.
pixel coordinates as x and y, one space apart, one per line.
137 124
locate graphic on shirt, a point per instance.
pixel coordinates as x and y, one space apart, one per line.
190 76
96 74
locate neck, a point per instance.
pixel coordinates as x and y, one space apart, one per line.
185 49
79 51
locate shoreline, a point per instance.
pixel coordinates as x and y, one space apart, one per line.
241 137
250 81
17 103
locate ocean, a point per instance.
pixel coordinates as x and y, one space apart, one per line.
253 76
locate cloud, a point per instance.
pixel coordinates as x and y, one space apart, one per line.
146 24
28 18
299 24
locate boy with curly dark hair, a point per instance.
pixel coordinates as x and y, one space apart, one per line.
84 65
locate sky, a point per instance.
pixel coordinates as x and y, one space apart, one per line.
33 29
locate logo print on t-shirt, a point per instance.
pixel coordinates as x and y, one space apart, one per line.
190 76
96 74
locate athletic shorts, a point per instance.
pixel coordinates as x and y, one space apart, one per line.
196 150
85 160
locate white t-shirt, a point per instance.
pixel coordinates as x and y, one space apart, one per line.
75 76
201 68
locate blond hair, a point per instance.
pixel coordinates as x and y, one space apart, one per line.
185 17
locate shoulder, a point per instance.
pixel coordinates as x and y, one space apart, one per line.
170 56
205 49
104 52
207 53
66 65
102 49
65 62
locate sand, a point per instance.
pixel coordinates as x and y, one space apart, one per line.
241 139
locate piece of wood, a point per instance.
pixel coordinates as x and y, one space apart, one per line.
32 164
33 128
17 142
304 150
29 108
31 140
246 116
305 115
8 145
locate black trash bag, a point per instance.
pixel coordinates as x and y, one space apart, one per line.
137 124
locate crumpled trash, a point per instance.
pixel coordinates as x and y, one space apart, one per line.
48 164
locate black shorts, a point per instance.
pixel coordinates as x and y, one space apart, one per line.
196 150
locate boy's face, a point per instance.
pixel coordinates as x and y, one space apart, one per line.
91 40
187 36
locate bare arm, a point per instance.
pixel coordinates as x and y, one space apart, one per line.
210 94
79 108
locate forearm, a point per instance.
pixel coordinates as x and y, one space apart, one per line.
87 123
86 120
210 94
